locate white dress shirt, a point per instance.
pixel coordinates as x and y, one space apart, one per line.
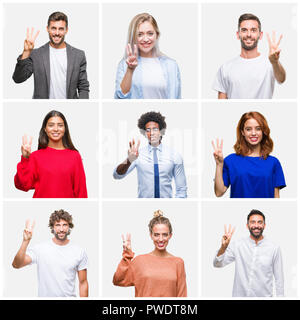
170 166
255 266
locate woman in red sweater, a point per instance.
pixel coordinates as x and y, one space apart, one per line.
55 170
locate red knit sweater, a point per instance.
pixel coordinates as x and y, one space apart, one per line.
52 173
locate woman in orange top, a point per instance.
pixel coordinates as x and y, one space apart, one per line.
155 274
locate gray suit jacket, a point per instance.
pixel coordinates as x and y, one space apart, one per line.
39 64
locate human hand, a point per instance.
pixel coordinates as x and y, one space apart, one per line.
30 39
27 233
227 236
274 51
133 151
132 60
218 151
26 146
126 242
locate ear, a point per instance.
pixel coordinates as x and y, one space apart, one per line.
261 35
242 133
171 236
238 35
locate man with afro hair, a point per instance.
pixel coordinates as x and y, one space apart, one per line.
156 164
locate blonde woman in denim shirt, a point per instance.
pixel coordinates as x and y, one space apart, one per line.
145 73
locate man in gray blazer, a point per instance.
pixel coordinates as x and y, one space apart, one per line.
59 69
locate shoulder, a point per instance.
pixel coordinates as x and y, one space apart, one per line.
76 248
40 50
271 244
171 63
272 159
178 260
229 63
232 157
73 49
172 152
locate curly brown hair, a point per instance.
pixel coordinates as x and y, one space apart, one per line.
241 147
58 215
159 219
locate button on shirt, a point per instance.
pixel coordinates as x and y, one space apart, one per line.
170 166
255 266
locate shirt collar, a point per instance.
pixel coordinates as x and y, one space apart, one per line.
259 242
150 148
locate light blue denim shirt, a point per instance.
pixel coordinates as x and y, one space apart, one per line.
170 166
170 71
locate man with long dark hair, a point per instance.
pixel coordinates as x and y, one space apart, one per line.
59 69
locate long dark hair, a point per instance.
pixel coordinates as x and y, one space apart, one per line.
43 138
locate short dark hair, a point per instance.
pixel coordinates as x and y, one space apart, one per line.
152 116
58 215
255 212
249 16
58 16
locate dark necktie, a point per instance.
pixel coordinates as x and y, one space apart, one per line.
156 174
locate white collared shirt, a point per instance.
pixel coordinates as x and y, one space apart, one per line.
170 166
255 266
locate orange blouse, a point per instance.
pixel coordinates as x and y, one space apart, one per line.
152 276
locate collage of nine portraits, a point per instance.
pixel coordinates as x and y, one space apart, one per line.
143 151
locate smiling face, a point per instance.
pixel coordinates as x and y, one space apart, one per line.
61 230
160 236
55 129
252 132
249 34
146 38
57 31
153 133
256 226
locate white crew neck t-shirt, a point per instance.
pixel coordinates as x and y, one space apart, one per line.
154 83
242 78
57 267
58 73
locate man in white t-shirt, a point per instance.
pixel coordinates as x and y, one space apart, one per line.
57 260
59 69
250 75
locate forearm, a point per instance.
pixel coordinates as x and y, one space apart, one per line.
222 95
219 186
83 288
123 167
279 72
21 254
221 251
127 81
25 54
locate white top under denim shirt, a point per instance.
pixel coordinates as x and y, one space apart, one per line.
170 73
170 166
255 266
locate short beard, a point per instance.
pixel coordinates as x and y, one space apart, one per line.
248 48
57 44
256 236
58 238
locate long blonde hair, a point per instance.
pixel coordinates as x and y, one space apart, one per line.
133 29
